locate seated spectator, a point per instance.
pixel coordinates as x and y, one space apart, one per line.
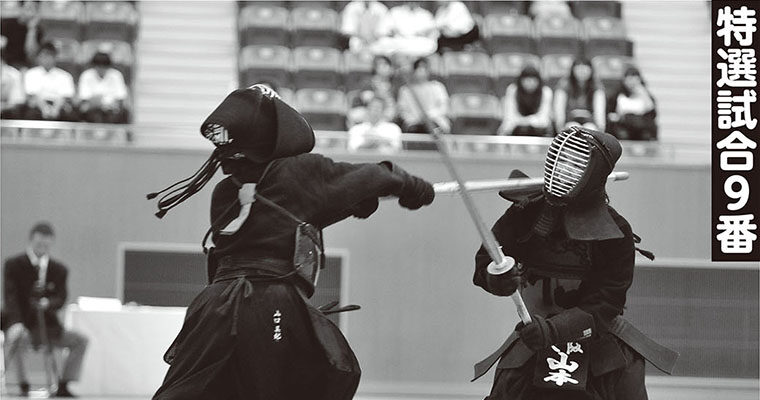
49 89
11 88
102 92
634 109
579 98
363 22
24 36
455 25
411 20
548 8
431 94
377 133
527 106
379 85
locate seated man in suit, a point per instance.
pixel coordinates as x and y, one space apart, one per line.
33 281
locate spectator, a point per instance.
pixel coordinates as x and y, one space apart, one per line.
409 20
363 22
102 92
379 85
33 282
377 133
455 25
11 88
549 8
634 109
527 106
431 94
24 35
49 89
579 98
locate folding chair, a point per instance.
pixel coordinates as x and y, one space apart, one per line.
314 26
263 24
509 33
475 114
606 36
264 62
324 109
558 35
317 67
468 72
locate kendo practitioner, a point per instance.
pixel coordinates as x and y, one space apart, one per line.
250 334
575 259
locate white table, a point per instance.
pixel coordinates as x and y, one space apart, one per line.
124 356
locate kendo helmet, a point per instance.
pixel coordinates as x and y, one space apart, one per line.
577 165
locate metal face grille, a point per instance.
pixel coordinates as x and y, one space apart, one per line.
566 162
217 134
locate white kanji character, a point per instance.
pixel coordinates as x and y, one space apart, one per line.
740 23
736 141
560 378
562 363
740 68
742 112
736 236
574 348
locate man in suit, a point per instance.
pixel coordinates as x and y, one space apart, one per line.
33 281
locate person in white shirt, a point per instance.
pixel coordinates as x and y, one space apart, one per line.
527 106
363 22
431 94
102 92
411 20
11 88
50 90
455 25
634 109
376 133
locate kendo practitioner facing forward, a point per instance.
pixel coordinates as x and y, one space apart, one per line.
249 334
575 258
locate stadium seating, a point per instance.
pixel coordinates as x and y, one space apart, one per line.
111 20
475 114
121 55
610 70
556 67
325 109
320 4
313 26
558 35
584 9
264 62
263 24
61 19
509 34
507 67
467 72
606 36
499 7
68 55
358 69
317 67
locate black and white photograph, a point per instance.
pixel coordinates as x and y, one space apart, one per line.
379 200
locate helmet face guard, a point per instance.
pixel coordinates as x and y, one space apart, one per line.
566 167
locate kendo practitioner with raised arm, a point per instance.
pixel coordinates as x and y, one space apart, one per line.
250 334
575 258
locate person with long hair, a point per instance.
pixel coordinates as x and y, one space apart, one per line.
527 105
380 84
250 333
579 98
634 109
431 94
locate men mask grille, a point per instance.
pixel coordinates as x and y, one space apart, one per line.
566 163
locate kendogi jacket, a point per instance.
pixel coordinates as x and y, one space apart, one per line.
575 258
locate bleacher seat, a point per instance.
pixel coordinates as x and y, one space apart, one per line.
475 114
509 34
314 26
358 69
507 67
67 57
556 67
263 24
467 72
121 53
111 20
264 63
606 36
610 70
325 109
558 35
61 19
274 3
500 7
320 4
317 67
584 9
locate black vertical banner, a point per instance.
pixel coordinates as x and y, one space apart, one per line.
735 138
